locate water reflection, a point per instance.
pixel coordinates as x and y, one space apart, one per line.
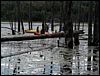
82 60
93 61
79 61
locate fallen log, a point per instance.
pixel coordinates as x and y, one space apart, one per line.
32 37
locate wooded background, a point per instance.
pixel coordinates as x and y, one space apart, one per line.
36 9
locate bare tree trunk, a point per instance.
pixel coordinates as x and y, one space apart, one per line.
90 25
75 24
22 20
61 10
44 19
68 25
52 20
29 22
29 25
15 26
43 31
15 17
43 23
31 15
65 20
13 31
76 36
79 14
70 44
22 26
83 23
18 15
96 25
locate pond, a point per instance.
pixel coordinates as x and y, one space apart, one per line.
46 58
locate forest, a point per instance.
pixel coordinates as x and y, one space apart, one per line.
36 9
49 38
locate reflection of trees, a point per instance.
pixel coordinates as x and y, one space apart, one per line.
66 68
93 62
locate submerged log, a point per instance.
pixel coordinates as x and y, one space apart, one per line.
23 52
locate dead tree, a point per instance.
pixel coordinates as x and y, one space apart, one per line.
83 22
11 21
90 24
75 25
68 25
21 20
61 10
76 36
43 20
30 14
79 14
96 25
52 20
43 23
29 22
18 14
22 26
15 17
43 31
65 21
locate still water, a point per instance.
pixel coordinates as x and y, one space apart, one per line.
46 58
